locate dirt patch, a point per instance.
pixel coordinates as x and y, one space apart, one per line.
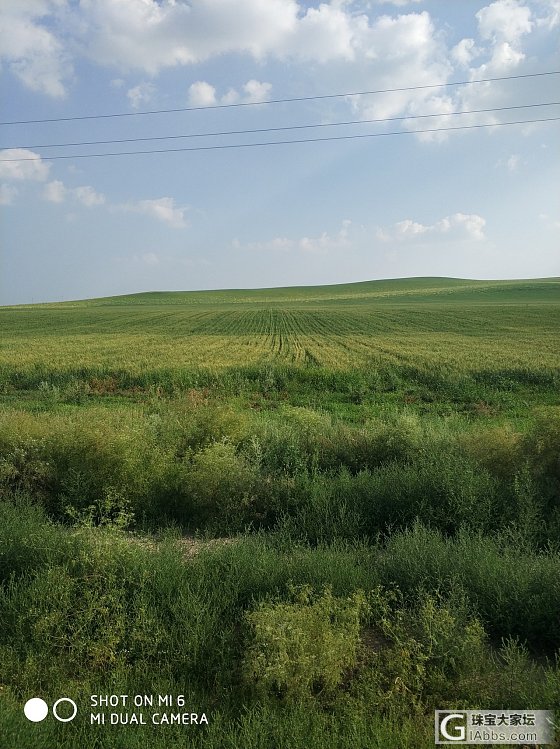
192 546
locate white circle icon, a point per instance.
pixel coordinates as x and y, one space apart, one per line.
36 709
57 703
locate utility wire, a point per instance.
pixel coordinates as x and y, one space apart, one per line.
283 142
280 101
278 129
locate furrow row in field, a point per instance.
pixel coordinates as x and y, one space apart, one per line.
150 338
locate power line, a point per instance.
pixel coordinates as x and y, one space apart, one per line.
280 101
284 142
278 129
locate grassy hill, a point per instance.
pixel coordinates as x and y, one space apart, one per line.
396 290
429 324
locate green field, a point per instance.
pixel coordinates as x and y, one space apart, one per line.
422 328
319 513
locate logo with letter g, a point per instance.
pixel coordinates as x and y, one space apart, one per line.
459 731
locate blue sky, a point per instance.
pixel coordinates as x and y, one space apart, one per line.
478 203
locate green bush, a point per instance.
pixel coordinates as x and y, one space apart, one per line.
304 648
97 466
301 439
28 539
515 592
443 490
113 508
517 678
279 448
221 485
24 468
432 650
541 446
194 420
496 448
108 605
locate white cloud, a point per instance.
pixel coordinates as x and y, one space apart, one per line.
358 45
230 97
552 19
151 35
7 194
394 52
149 258
464 52
456 226
55 192
434 104
504 46
326 242
409 228
321 244
202 94
87 196
410 36
256 91
472 223
513 162
277 243
32 51
549 221
504 21
31 168
140 95
324 33
504 57
162 209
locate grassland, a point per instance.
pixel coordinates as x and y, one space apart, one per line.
197 488
435 332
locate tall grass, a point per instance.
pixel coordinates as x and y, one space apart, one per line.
108 614
207 466
319 515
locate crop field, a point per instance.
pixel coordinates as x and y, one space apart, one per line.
481 327
318 514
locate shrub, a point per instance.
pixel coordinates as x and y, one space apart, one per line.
303 648
397 437
278 448
28 540
195 421
433 653
323 508
23 468
496 448
220 485
305 439
515 593
113 508
445 491
541 445
102 604
76 391
96 465
49 392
